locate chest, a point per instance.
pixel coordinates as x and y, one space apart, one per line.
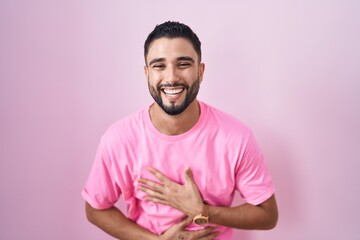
212 166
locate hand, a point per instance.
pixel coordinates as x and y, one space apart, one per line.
185 198
177 232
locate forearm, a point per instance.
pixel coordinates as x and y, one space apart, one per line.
246 216
186 198
116 224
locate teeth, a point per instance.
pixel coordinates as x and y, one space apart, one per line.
173 91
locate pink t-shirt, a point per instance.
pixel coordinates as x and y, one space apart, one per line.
221 152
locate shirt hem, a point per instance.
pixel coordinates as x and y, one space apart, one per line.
262 198
92 202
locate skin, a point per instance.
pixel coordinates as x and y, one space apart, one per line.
116 224
168 61
174 61
167 64
187 199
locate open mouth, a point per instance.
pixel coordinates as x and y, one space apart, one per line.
173 91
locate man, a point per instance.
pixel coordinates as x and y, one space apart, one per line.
178 162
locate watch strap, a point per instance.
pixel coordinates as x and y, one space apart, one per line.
202 218
206 211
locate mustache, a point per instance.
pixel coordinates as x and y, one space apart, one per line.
167 85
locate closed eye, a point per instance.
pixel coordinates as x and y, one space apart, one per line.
158 66
184 65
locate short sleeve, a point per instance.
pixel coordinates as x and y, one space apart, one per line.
101 190
253 179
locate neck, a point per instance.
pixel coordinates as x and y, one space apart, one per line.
177 124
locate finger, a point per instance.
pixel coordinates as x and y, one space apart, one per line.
210 236
152 193
188 175
205 232
189 179
162 178
157 200
213 235
184 223
150 184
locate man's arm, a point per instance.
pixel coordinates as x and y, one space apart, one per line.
246 216
187 199
116 224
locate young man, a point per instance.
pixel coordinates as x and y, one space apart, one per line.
178 162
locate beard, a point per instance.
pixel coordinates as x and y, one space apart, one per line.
173 109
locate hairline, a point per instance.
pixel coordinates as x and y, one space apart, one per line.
172 37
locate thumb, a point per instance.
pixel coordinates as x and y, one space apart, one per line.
188 176
184 222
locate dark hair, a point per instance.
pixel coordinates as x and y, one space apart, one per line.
171 29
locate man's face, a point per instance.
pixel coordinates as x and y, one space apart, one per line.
174 73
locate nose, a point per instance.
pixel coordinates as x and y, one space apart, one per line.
172 75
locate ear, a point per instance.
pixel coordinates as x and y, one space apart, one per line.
146 71
201 71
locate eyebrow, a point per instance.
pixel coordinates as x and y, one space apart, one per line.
184 58
156 60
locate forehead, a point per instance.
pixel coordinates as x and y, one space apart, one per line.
171 48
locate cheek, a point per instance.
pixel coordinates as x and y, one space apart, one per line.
192 73
154 78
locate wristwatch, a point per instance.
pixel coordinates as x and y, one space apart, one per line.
202 218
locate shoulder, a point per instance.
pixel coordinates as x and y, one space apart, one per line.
224 121
125 129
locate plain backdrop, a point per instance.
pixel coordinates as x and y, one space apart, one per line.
289 69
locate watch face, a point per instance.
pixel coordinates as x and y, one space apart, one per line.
200 221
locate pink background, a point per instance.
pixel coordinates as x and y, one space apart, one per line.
289 69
